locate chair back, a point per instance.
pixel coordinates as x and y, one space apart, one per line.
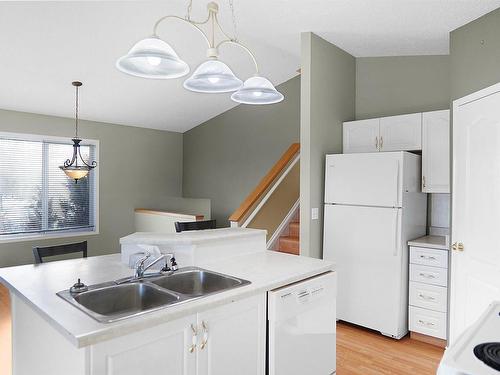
40 252
194 225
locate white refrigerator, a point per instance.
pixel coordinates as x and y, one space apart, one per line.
373 206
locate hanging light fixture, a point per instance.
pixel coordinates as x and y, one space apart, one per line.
71 166
154 58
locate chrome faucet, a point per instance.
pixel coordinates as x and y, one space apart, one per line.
140 267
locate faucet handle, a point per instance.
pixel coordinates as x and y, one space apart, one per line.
173 263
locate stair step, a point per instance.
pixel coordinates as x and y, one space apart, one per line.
289 244
294 229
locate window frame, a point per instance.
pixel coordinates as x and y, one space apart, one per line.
94 198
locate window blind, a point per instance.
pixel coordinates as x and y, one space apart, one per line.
35 195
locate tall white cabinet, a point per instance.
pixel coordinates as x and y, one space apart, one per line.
436 152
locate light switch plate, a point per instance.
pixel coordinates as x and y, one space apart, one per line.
314 213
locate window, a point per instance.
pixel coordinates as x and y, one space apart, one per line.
36 197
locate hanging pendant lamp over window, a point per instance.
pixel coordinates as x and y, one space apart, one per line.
74 169
154 58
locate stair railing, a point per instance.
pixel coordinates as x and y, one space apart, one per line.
252 204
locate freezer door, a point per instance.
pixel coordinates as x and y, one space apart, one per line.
370 179
365 244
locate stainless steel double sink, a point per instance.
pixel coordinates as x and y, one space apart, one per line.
109 302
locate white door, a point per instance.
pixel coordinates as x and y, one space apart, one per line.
232 338
436 152
164 349
365 244
364 179
475 265
361 136
401 133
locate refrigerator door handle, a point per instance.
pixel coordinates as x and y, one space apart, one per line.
396 184
397 234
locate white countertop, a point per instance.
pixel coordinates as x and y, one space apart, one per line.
38 284
434 242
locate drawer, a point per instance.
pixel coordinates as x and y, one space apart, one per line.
427 296
429 275
429 257
428 322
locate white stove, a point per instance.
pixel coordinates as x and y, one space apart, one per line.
477 351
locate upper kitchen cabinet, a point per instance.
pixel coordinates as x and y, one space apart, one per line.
436 152
361 136
396 133
401 133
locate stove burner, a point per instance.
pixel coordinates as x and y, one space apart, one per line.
489 353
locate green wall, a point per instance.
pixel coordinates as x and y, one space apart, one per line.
475 55
225 157
395 85
137 168
327 100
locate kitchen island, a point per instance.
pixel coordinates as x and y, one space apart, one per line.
50 336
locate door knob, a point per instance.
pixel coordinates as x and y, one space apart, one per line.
458 246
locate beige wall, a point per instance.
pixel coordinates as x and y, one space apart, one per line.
137 168
387 86
226 157
327 100
475 55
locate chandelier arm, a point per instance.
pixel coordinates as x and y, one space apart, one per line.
230 41
192 23
91 165
221 30
69 162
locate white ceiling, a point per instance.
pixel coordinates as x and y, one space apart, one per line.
46 45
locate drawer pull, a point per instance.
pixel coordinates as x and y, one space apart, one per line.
427 275
427 324
426 298
428 257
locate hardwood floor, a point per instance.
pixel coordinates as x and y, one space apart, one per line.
364 352
5 332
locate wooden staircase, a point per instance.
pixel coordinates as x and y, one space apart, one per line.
291 243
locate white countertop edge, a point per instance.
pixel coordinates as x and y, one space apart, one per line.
169 313
426 241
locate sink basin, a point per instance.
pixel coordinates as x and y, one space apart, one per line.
109 303
198 282
112 301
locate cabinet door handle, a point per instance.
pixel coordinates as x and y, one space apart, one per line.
381 142
427 275
376 143
426 298
428 257
423 182
194 341
204 342
427 324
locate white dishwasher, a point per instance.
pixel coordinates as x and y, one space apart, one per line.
302 327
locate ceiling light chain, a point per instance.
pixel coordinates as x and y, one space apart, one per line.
233 16
154 58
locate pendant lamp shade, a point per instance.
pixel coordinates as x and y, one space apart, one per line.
213 76
152 58
257 90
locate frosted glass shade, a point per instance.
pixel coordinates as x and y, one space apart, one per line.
213 76
257 90
75 173
152 58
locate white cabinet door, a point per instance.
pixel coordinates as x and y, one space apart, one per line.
232 338
361 136
475 264
436 152
401 133
164 349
